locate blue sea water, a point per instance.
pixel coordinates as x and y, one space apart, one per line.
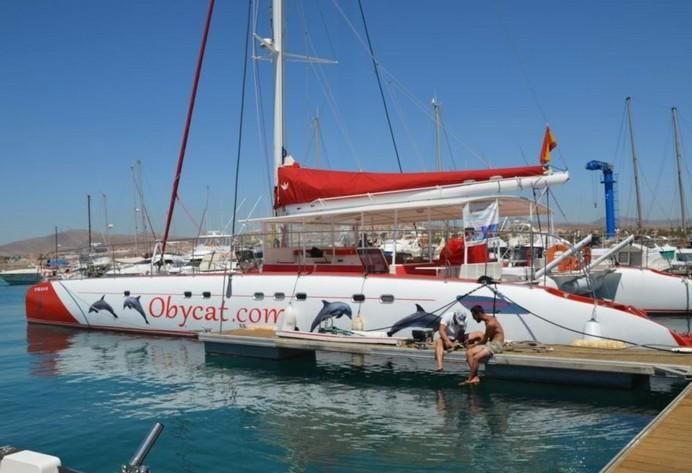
90 397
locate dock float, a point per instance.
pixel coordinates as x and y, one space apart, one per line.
526 361
663 445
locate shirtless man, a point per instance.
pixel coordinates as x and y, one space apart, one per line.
483 345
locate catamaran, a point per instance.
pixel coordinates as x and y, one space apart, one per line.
308 282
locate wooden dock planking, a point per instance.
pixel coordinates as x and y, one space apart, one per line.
576 362
664 445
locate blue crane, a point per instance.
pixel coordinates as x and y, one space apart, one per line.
609 181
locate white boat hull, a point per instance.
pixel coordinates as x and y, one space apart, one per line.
647 289
21 277
185 305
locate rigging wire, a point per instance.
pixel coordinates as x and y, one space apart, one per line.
328 94
402 118
446 136
145 211
259 110
379 84
393 81
229 286
242 116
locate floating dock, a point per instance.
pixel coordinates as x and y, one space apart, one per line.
664 445
621 368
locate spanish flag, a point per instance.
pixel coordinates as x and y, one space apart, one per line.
549 144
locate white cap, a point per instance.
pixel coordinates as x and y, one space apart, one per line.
460 318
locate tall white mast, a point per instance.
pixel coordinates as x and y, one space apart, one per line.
278 47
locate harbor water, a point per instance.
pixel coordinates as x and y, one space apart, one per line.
90 397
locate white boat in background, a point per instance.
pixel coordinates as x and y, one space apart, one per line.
23 276
307 281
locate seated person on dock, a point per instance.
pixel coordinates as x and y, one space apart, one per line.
483 345
452 330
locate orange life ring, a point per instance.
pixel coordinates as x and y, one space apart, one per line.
568 264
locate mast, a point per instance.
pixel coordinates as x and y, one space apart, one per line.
89 219
186 133
678 160
56 245
635 165
438 126
278 50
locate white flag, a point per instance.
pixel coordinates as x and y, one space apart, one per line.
483 218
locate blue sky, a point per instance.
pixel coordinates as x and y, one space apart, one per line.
90 87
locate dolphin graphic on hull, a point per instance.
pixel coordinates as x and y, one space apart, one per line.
420 318
133 302
100 305
331 310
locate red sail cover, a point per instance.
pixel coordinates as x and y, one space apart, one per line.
299 185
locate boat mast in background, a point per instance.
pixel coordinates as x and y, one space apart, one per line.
438 127
635 165
678 160
89 218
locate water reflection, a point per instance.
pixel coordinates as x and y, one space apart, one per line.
339 412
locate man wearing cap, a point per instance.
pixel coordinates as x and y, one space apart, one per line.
451 332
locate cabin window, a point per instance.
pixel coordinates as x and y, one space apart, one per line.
386 299
187 294
279 296
206 294
258 296
358 297
301 296
127 293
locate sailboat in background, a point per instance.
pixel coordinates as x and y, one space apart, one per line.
307 281
640 271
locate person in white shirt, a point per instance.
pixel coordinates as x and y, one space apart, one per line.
450 335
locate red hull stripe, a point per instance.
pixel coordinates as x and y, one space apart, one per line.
43 304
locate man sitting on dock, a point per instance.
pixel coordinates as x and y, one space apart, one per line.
483 345
452 330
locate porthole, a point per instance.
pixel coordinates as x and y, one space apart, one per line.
358 297
258 296
127 293
279 296
386 298
301 296
206 294
187 294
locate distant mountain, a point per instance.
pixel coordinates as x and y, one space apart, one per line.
69 241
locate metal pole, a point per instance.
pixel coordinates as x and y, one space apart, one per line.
144 449
635 165
678 157
89 219
438 152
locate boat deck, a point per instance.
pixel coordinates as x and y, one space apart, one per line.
664 445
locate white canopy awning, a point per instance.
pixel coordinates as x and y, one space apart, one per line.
409 212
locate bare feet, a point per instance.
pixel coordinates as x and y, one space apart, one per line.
474 380
439 369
